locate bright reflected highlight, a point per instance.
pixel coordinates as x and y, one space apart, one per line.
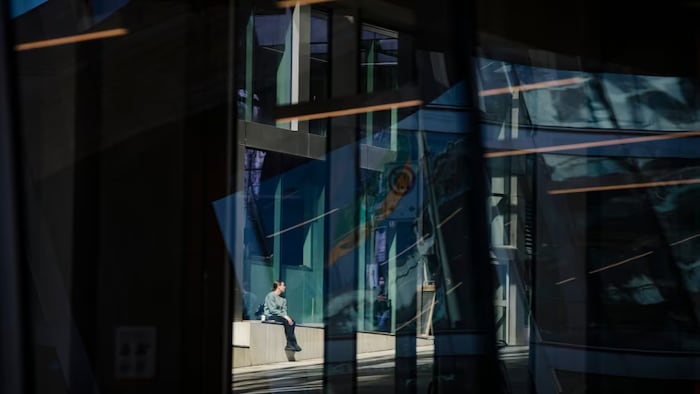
532 86
584 145
624 186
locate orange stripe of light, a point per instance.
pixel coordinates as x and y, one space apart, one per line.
532 86
353 111
71 39
624 186
292 3
582 145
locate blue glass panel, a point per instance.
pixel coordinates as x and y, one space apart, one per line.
19 7
104 8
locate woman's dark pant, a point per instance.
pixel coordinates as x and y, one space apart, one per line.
288 329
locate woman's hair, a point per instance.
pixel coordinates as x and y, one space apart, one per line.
276 284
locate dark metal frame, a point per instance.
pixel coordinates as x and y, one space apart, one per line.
14 361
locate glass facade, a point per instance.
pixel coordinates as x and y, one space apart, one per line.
471 197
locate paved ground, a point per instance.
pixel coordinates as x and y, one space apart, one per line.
375 374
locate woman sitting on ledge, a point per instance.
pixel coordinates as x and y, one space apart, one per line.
276 309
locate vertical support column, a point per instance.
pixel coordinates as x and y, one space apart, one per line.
405 301
241 78
404 305
342 230
284 69
465 356
391 271
277 227
513 305
318 258
13 367
88 198
240 213
208 142
362 261
249 36
369 88
394 141
301 60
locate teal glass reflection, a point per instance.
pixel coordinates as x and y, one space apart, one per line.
538 96
284 55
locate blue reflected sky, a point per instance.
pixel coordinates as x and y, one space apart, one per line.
19 7
101 8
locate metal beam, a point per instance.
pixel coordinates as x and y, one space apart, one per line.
274 139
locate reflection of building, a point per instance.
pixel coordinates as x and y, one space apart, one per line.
168 160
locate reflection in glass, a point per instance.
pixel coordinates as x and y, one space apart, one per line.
592 244
286 62
584 99
379 71
596 240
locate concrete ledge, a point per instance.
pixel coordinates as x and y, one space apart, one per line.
266 342
241 357
258 343
241 333
370 342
